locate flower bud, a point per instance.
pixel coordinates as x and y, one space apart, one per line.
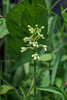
36 25
23 49
28 26
42 27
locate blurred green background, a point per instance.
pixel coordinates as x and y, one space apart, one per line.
16 69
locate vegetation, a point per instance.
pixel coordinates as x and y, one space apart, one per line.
33 62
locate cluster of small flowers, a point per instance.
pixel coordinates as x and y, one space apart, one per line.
33 44
35 56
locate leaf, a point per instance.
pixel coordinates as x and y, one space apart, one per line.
18 19
58 82
48 3
54 90
17 76
51 27
5 89
46 76
6 6
26 67
3 28
56 63
46 57
14 40
50 11
25 57
64 58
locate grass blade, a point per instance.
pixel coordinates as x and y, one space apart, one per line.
56 63
54 90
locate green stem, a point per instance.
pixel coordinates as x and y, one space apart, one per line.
64 10
34 79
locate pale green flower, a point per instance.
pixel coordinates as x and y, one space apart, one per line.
35 44
26 39
36 25
45 47
35 56
42 27
32 30
23 49
28 26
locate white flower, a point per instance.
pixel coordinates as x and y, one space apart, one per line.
45 47
26 39
31 30
38 57
29 26
23 49
41 35
35 44
36 25
42 27
30 42
38 31
35 56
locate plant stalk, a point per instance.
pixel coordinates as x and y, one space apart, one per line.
34 79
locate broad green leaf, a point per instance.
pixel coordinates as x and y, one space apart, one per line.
18 19
56 63
5 89
64 58
46 57
3 28
25 57
17 76
45 77
54 90
6 6
48 3
26 67
58 82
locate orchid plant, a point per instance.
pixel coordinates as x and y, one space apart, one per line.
33 41
34 45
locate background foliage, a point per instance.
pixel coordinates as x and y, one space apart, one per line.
16 69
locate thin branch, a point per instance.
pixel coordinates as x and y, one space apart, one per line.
34 79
